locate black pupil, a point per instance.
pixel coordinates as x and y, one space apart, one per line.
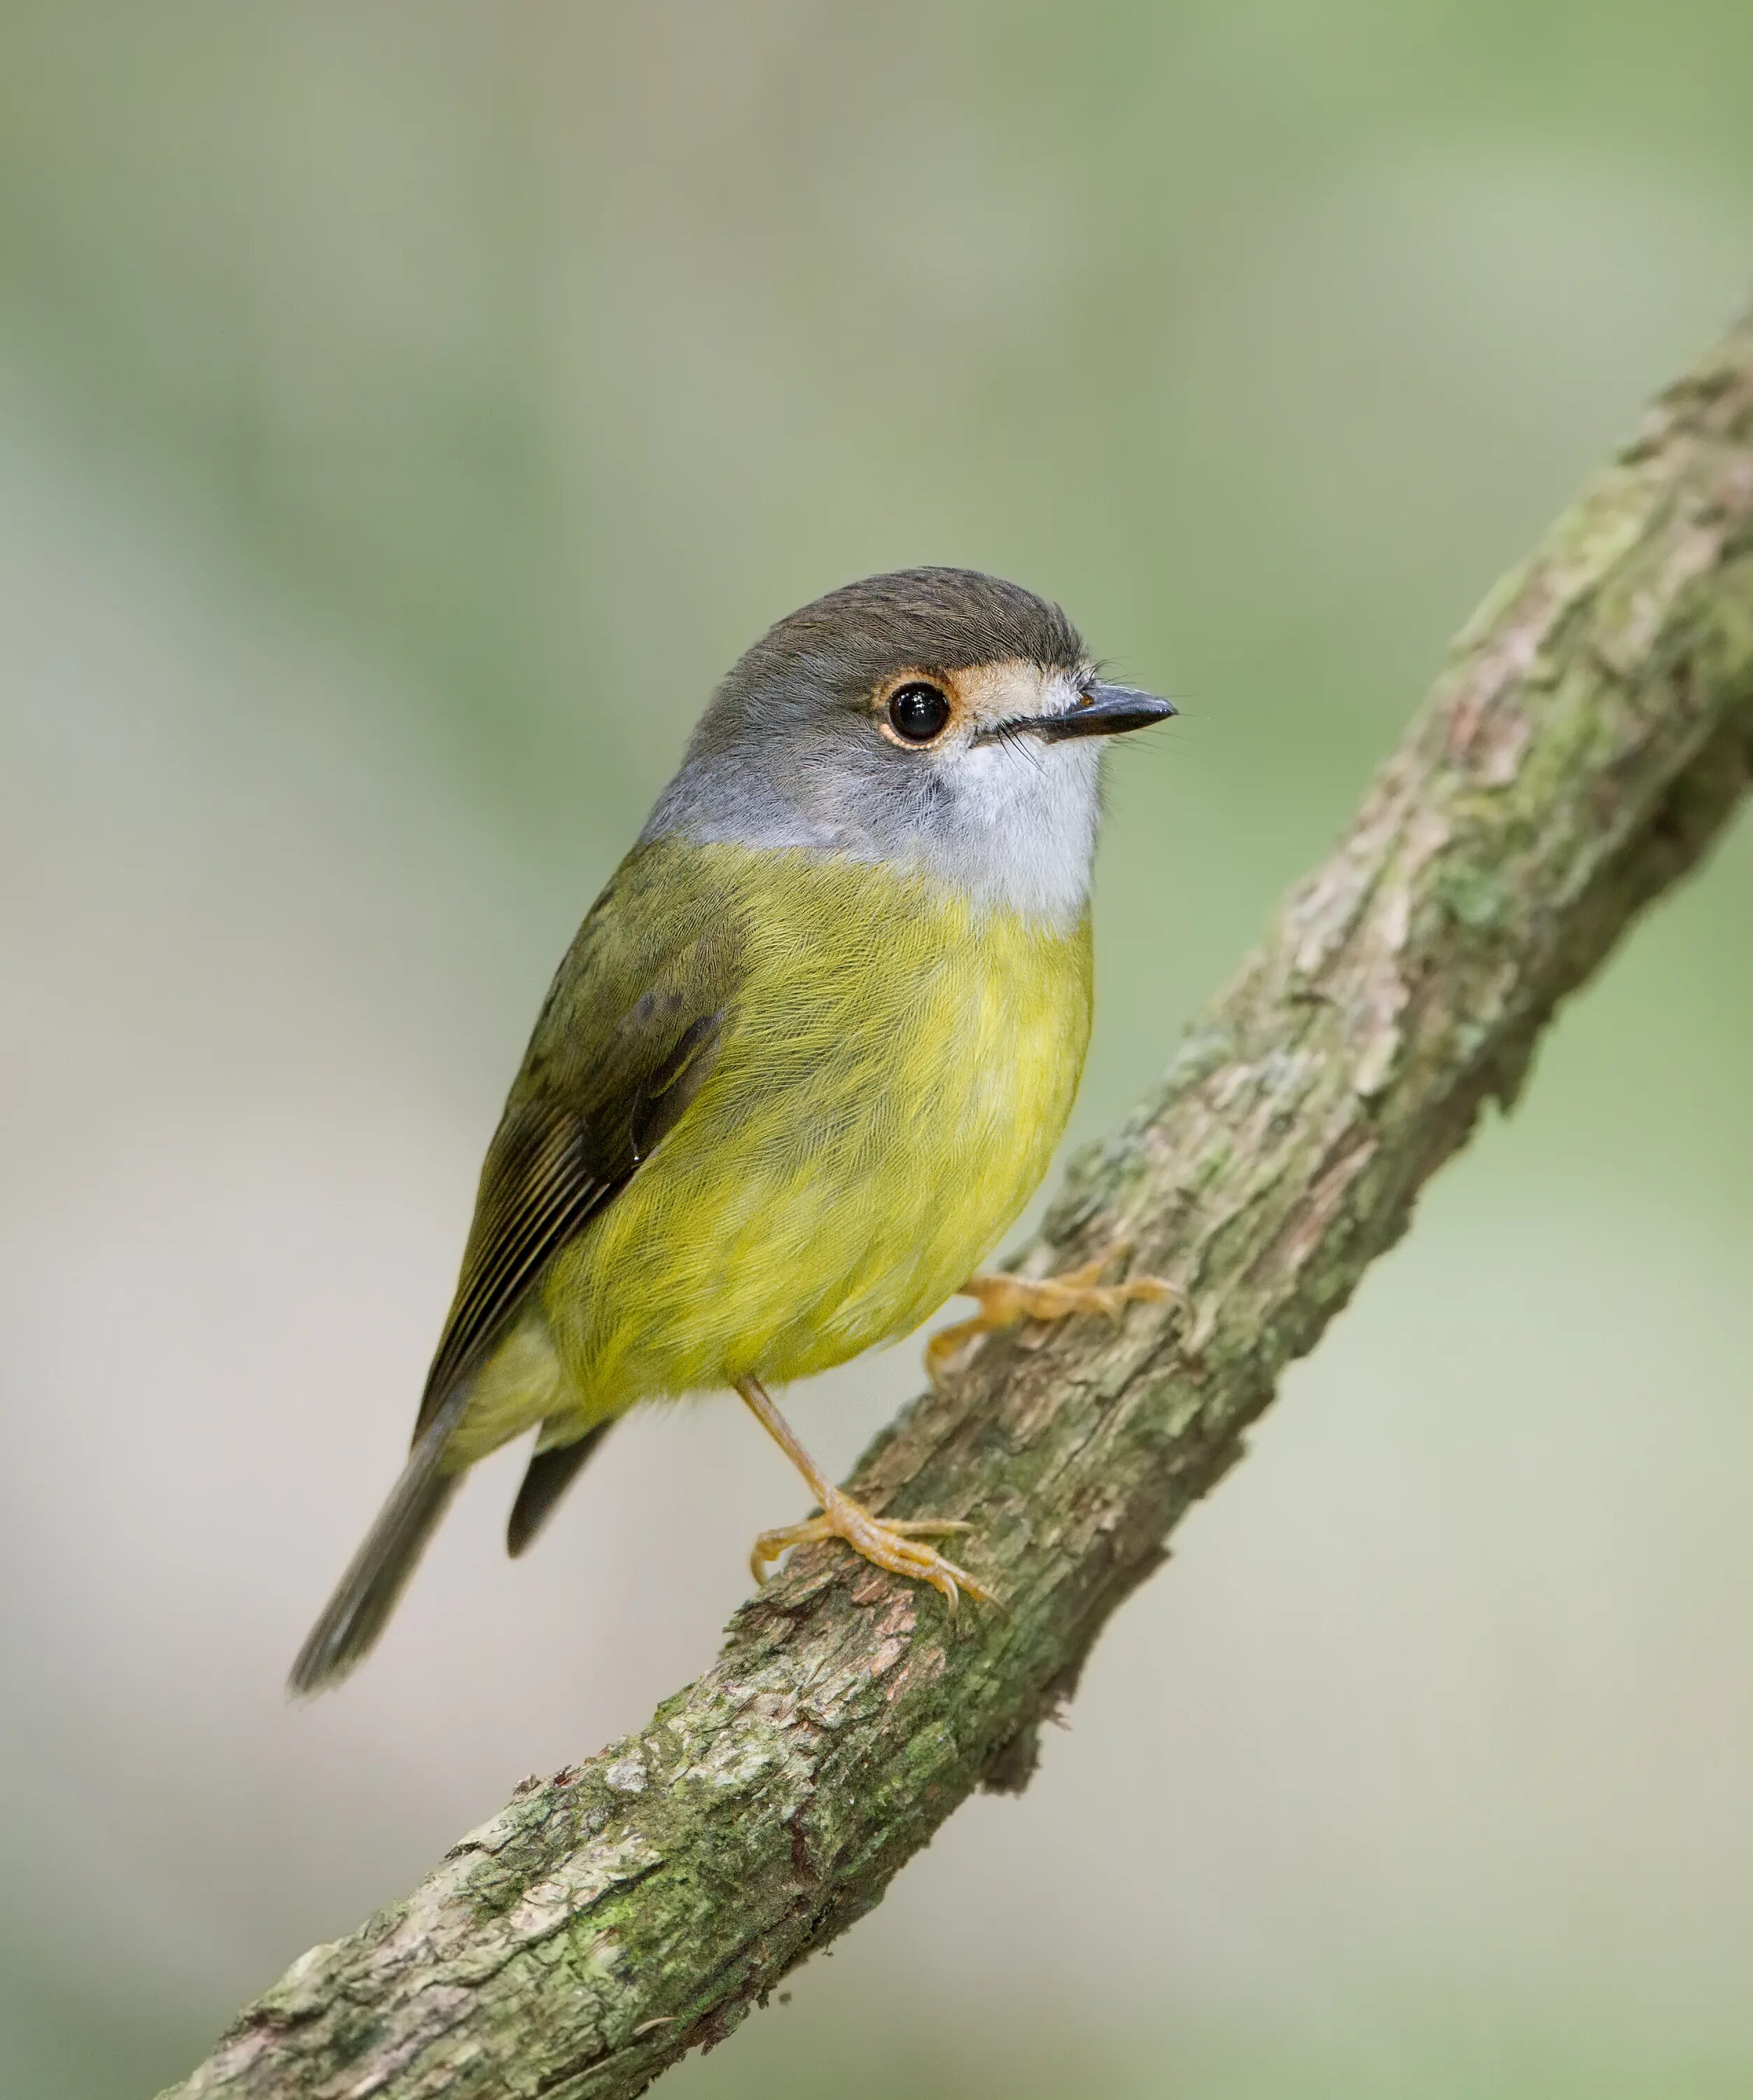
918 713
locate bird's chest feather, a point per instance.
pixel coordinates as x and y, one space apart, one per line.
899 1071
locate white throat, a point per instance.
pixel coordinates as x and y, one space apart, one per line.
1023 836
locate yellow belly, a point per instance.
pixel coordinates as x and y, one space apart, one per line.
888 1095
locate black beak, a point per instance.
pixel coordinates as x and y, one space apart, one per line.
1103 711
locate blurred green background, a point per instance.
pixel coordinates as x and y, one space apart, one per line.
406 412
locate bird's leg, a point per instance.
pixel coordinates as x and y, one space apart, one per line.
887 1544
1006 1299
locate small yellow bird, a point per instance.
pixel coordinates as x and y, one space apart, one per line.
806 1060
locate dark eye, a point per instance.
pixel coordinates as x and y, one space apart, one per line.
918 712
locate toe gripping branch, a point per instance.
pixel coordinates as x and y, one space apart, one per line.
1006 1301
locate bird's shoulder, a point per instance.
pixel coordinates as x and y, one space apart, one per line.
663 945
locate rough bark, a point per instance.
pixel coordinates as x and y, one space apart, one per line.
1588 740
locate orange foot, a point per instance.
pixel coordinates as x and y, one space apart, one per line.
1006 1299
885 1543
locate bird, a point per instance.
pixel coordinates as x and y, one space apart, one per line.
809 1056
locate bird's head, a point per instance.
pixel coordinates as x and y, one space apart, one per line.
936 718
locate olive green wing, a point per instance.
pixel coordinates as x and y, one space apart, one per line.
606 1076
628 1035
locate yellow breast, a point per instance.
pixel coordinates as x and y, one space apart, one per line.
888 1092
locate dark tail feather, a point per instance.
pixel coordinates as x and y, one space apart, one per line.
378 1574
549 1475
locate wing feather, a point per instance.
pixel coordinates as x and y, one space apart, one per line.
625 1042
524 1221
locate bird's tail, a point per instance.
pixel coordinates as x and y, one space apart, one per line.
378 1574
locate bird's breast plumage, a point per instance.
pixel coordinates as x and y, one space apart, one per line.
894 1073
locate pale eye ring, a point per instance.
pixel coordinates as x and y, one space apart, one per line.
918 711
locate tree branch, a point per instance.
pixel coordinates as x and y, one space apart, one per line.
1589 739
